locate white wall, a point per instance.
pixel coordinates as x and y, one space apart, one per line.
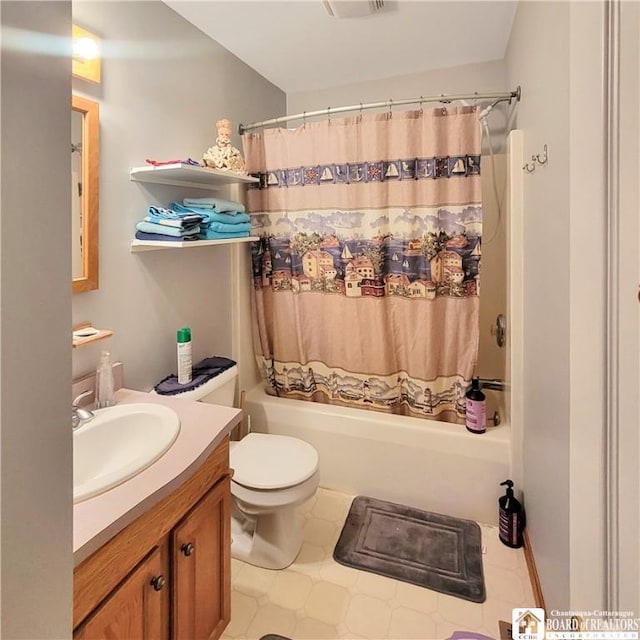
538 59
555 53
484 76
587 301
164 85
628 343
35 298
468 78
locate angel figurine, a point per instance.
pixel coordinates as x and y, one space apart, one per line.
223 155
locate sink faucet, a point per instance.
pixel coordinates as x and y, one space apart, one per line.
80 415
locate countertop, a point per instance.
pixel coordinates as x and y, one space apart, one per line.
202 428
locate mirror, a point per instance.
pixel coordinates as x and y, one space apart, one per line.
84 193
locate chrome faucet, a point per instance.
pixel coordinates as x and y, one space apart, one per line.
80 415
493 383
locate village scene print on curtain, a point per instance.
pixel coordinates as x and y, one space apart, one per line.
367 274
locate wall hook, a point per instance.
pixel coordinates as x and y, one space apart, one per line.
536 160
545 157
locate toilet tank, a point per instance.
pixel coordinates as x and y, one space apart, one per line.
219 390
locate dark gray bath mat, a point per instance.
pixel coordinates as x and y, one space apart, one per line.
428 549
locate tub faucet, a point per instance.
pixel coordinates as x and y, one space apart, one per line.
80 415
494 384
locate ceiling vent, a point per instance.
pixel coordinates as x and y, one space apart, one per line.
352 8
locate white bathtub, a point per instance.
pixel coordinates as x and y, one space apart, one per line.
426 464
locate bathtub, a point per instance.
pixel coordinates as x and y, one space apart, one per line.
426 464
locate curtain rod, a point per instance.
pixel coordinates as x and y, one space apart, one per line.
445 99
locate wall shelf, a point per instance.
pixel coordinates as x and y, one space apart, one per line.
82 334
184 175
154 245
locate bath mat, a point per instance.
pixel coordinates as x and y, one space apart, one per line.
427 549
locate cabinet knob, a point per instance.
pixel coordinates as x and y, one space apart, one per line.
187 548
158 582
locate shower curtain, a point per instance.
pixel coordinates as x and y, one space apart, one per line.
366 276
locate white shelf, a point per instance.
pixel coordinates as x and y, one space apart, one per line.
154 245
185 175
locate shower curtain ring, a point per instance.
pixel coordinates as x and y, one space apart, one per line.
361 112
421 109
304 119
390 105
329 114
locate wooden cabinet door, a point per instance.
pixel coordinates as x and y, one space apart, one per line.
138 609
201 577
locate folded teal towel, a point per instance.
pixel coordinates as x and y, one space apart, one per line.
152 227
228 218
217 204
210 234
221 227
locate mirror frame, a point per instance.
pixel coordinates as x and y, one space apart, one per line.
89 109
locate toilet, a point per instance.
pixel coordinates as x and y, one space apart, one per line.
273 474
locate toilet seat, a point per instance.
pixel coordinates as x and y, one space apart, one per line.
267 461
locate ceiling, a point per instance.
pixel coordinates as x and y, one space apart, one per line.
298 46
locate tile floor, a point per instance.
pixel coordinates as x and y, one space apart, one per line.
318 598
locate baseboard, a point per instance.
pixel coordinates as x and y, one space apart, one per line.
533 572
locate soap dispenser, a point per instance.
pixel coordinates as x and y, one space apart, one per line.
510 518
104 382
476 409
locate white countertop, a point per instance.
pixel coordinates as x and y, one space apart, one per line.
202 428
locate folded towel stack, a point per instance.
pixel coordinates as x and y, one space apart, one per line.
221 219
215 204
168 225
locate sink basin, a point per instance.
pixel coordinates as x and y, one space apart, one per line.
120 442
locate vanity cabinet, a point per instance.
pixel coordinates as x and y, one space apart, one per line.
199 546
168 573
138 608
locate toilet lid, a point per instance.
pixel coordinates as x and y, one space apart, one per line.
268 461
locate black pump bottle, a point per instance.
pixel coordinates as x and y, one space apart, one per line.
511 518
476 409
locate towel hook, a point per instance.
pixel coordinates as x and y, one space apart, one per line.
537 159
545 157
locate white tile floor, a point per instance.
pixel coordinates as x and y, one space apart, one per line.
318 598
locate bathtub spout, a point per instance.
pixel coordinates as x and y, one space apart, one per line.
495 384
